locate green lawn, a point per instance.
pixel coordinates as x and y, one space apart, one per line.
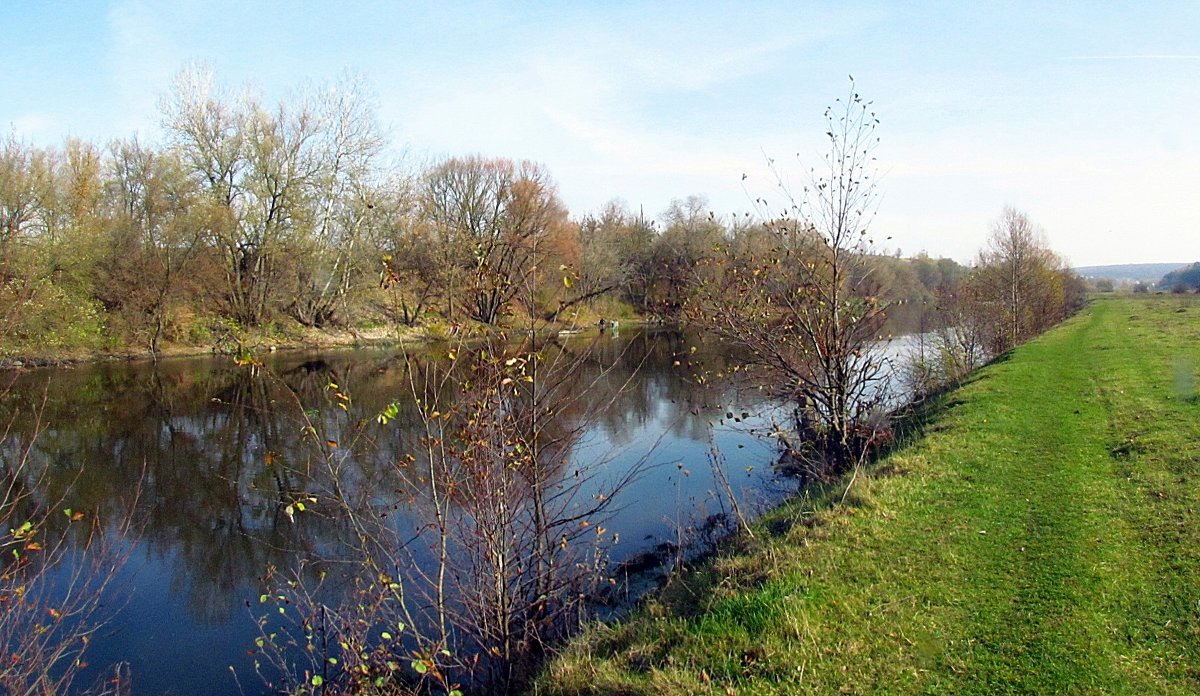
1039 536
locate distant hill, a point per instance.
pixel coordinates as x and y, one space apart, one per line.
1189 276
1147 272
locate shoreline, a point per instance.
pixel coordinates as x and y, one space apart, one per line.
307 339
311 340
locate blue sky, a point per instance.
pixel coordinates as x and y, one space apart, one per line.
1081 114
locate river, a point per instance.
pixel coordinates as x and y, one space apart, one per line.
203 457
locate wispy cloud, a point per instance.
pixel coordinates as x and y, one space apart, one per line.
651 101
38 126
1137 56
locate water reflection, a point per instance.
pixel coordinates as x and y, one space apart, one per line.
207 456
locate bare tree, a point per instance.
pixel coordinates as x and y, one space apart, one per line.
1015 251
806 306
1017 289
275 173
347 199
1021 286
26 195
510 539
491 218
26 190
616 255
157 220
208 131
410 259
690 233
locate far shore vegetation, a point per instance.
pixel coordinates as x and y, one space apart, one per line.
254 225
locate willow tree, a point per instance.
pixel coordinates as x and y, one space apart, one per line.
347 196
293 182
156 222
26 199
803 301
492 220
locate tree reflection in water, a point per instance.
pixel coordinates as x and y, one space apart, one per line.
226 449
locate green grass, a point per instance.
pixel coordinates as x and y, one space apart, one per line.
1040 535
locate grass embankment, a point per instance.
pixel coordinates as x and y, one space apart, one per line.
1040 535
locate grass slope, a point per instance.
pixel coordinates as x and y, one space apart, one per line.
1040 535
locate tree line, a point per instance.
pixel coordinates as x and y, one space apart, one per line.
1181 280
254 217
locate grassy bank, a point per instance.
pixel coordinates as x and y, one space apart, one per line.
1040 535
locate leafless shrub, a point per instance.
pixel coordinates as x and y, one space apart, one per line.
503 544
800 296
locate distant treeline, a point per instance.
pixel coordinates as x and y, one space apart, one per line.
1186 279
255 217
1142 277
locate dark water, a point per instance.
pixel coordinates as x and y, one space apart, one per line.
204 455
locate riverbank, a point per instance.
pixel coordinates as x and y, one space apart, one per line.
1038 534
256 342
290 336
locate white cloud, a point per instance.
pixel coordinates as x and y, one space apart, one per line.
611 104
38 127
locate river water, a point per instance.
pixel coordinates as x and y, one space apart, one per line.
203 455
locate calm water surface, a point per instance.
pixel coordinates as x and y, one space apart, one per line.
204 454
